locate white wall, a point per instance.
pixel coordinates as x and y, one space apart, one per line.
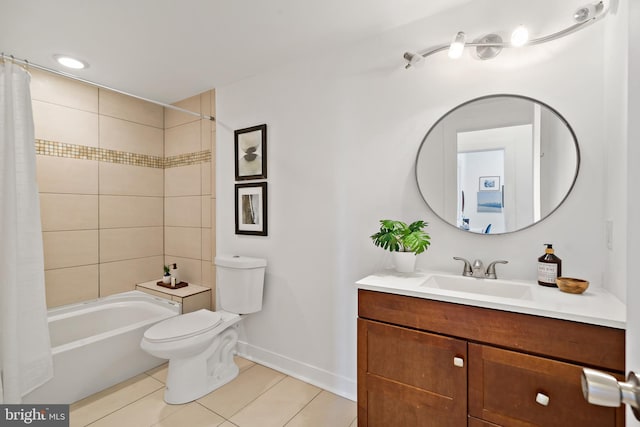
343 131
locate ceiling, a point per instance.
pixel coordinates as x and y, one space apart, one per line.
169 50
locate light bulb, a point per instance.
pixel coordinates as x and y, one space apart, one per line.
69 62
520 36
457 45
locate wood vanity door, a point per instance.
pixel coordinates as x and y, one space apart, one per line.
504 387
409 378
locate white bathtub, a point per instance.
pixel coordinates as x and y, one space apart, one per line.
96 344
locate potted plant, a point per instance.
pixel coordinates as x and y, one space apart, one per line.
404 241
166 279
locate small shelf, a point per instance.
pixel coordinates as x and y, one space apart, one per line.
192 297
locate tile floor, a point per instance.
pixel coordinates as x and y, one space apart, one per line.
258 397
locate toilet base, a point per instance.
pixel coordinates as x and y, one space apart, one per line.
191 378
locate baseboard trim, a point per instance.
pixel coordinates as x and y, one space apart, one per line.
326 380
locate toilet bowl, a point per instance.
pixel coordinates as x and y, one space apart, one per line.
200 345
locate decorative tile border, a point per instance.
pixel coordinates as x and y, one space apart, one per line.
187 159
83 152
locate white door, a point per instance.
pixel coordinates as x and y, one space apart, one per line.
633 198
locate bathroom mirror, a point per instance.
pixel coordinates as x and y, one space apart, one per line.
497 164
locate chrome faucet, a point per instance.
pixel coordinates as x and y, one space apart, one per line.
491 269
476 269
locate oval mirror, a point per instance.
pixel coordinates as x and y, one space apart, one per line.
497 164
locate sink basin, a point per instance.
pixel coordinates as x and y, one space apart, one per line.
496 288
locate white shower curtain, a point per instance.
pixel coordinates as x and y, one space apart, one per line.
25 348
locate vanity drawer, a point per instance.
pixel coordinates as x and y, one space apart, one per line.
504 386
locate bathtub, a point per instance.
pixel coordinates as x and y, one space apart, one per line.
96 344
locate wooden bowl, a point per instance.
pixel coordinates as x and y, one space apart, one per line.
571 285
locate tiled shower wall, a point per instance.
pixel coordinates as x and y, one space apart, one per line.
101 172
188 190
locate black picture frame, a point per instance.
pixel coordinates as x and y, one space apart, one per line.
250 149
251 209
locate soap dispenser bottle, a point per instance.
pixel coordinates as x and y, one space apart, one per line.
549 267
174 272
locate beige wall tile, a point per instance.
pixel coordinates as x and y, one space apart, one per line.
116 179
62 91
213 102
182 211
71 285
213 169
189 269
205 102
182 181
185 242
119 244
122 276
206 132
182 139
206 178
135 110
196 302
70 248
62 175
206 244
154 293
174 118
207 271
63 124
60 212
123 135
206 211
131 211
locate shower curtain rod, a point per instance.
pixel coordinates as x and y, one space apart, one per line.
80 79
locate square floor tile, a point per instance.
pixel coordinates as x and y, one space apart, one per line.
327 409
251 383
277 405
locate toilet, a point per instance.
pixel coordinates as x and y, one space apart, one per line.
200 345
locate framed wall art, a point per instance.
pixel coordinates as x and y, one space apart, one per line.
489 183
251 152
251 208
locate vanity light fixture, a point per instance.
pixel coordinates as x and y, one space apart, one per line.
520 36
490 45
69 62
457 45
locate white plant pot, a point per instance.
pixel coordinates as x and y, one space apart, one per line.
405 262
166 279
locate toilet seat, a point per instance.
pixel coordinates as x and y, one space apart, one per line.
183 326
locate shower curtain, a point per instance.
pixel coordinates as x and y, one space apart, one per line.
25 348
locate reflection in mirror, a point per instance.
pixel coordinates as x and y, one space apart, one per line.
497 164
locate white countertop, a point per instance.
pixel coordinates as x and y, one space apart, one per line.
595 306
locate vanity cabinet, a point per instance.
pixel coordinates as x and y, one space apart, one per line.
429 363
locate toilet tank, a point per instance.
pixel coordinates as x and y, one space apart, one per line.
240 281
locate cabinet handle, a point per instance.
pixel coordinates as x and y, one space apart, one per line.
458 361
542 399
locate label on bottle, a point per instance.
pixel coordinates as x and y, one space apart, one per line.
547 272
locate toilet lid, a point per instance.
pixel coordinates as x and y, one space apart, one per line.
183 326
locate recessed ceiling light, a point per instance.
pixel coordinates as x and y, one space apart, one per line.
70 62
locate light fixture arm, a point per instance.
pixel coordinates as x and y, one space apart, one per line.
601 12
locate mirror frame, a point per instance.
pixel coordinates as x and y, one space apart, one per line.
501 95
